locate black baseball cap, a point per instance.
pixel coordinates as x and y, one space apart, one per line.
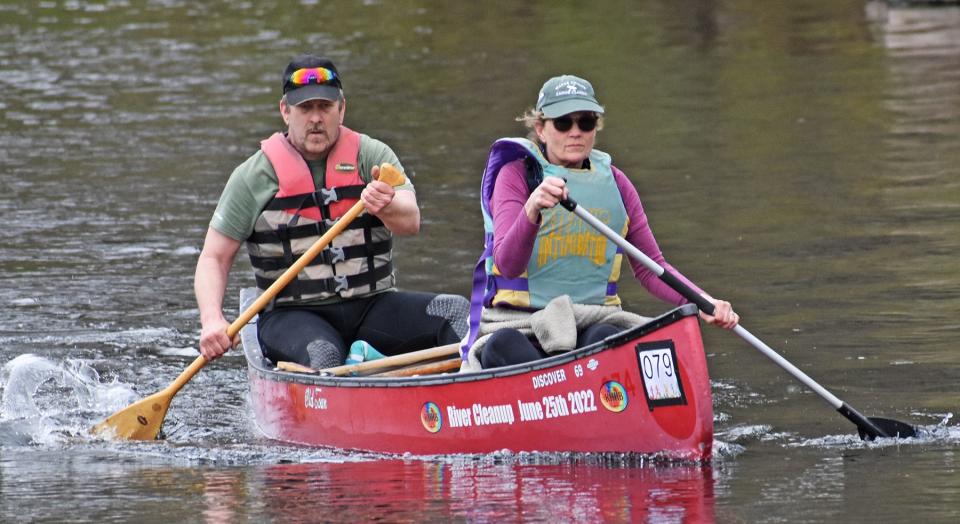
309 77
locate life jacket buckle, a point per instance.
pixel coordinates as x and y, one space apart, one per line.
329 195
338 255
341 281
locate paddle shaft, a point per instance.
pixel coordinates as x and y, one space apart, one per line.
142 420
431 368
388 174
707 307
404 359
271 292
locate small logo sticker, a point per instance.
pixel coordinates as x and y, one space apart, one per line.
613 396
431 417
592 364
345 166
571 88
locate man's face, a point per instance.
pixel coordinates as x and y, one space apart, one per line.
313 126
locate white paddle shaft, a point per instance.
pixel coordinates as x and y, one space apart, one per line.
704 305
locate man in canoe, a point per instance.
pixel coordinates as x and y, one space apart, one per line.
282 199
541 261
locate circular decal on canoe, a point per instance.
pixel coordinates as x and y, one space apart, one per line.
613 396
431 417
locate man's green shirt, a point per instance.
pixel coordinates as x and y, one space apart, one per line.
254 183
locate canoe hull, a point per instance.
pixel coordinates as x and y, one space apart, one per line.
618 396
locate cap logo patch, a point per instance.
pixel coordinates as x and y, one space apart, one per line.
571 88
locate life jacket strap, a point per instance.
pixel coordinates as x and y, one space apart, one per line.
312 229
320 199
329 256
334 284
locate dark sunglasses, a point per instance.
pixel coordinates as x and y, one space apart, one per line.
585 123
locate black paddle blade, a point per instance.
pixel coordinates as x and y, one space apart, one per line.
893 428
870 428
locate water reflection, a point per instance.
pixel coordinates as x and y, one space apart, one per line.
923 49
917 192
223 496
412 491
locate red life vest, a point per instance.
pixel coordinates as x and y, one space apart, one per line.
342 171
357 262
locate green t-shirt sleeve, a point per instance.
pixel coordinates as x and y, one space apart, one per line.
373 153
253 184
248 190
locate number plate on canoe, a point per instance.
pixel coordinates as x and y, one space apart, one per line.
660 374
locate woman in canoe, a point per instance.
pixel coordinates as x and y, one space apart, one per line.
547 281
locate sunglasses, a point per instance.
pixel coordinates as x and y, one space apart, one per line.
585 123
318 75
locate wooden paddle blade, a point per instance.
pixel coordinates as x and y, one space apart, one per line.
139 421
894 428
142 420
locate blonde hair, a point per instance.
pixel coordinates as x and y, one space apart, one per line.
531 117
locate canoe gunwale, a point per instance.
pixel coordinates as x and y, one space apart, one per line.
261 366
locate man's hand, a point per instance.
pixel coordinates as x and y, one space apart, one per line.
397 209
214 341
377 195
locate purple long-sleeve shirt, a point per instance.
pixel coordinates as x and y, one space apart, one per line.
514 234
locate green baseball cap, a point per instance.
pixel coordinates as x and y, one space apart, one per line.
565 94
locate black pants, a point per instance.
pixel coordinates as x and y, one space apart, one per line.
392 322
509 346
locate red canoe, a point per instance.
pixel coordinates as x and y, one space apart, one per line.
645 390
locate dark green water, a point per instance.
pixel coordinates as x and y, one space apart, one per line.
799 159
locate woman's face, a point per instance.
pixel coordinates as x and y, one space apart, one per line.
571 147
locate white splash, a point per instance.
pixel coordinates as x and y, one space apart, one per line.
43 400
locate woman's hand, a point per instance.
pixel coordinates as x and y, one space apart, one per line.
548 194
723 314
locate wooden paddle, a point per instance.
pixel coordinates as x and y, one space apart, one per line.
142 420
432 368
869 428
404 359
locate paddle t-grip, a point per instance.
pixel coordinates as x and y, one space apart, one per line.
391 175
